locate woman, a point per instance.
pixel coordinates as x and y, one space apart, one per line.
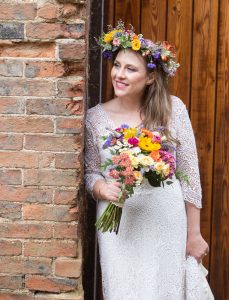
159 234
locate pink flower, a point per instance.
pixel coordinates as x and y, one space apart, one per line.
128 172
116 160
115 174
116 42
133 141
129 180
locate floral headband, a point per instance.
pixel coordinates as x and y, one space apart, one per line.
160 55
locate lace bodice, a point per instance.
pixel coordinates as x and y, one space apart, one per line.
97 120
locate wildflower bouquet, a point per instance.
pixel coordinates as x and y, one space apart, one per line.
137 153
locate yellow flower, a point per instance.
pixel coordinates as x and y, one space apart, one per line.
159 166
138 176
136 44
166 169
146 161
147 145
109 36
129 133
134 160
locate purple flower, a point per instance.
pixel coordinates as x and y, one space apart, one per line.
143 43
151 65
107 54
157 55
125 126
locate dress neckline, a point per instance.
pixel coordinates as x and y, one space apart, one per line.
110 121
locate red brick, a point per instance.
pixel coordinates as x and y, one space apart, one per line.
54 30
48 12
69 125
28 50
48 212
58 107
50 177
15 296
11 142
10 282
11 106
72 51
10 210
10 247
57 285
51 249
17 265
68 160
22 87
68 267
26 124
10 176
23 194
70 88
65 197
44 69
52 143
25 230
18 160
65 231
17 12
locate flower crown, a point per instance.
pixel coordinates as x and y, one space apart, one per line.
160 55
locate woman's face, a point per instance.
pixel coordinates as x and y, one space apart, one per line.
129 74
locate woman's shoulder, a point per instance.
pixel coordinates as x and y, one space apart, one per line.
93 114
177 104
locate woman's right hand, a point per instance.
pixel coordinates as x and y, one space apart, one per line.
108 191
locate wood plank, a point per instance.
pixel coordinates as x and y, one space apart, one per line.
129 12
219 277
203 99
153 19
179 33
109 18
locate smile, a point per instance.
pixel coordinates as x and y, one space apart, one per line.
120 84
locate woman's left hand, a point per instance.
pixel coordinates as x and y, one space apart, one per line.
196 246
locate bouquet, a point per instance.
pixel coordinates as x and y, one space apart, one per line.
136 153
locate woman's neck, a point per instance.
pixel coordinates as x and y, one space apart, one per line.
129 104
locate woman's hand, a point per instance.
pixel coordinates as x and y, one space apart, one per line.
108 191
196 246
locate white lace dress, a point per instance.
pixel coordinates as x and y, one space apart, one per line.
146 260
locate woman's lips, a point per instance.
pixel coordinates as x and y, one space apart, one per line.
120 84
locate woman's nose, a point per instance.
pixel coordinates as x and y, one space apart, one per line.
121 73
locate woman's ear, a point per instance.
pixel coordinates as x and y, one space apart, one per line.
151 78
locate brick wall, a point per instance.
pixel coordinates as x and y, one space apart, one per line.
42 70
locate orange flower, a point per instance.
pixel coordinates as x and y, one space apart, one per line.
147 132
169 47
164 57
155 155
135 37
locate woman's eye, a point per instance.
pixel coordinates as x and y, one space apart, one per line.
116 65
131 69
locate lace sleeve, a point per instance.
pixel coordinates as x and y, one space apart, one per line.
187 159
91 158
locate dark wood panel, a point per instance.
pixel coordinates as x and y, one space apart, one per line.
220 219
203 98
179 33
153 19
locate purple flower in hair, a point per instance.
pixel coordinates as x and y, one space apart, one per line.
107 54
151 65
157 55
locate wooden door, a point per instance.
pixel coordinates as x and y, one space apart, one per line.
200 31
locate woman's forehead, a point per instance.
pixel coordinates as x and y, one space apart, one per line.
130 57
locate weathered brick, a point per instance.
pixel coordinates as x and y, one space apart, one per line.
58 107
51 249
10 282
26 124
54 30
10 176
65 231
48 212
50 177
76 295
10 247
50 284
20 11
25 230
11 106
72 50
18 160
15 296
68 160
65 197
44 69
69 125
22 87
48 12
68 267
11 31
11 69
10 210
52 143
28 50
69 88
11 142
18 265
